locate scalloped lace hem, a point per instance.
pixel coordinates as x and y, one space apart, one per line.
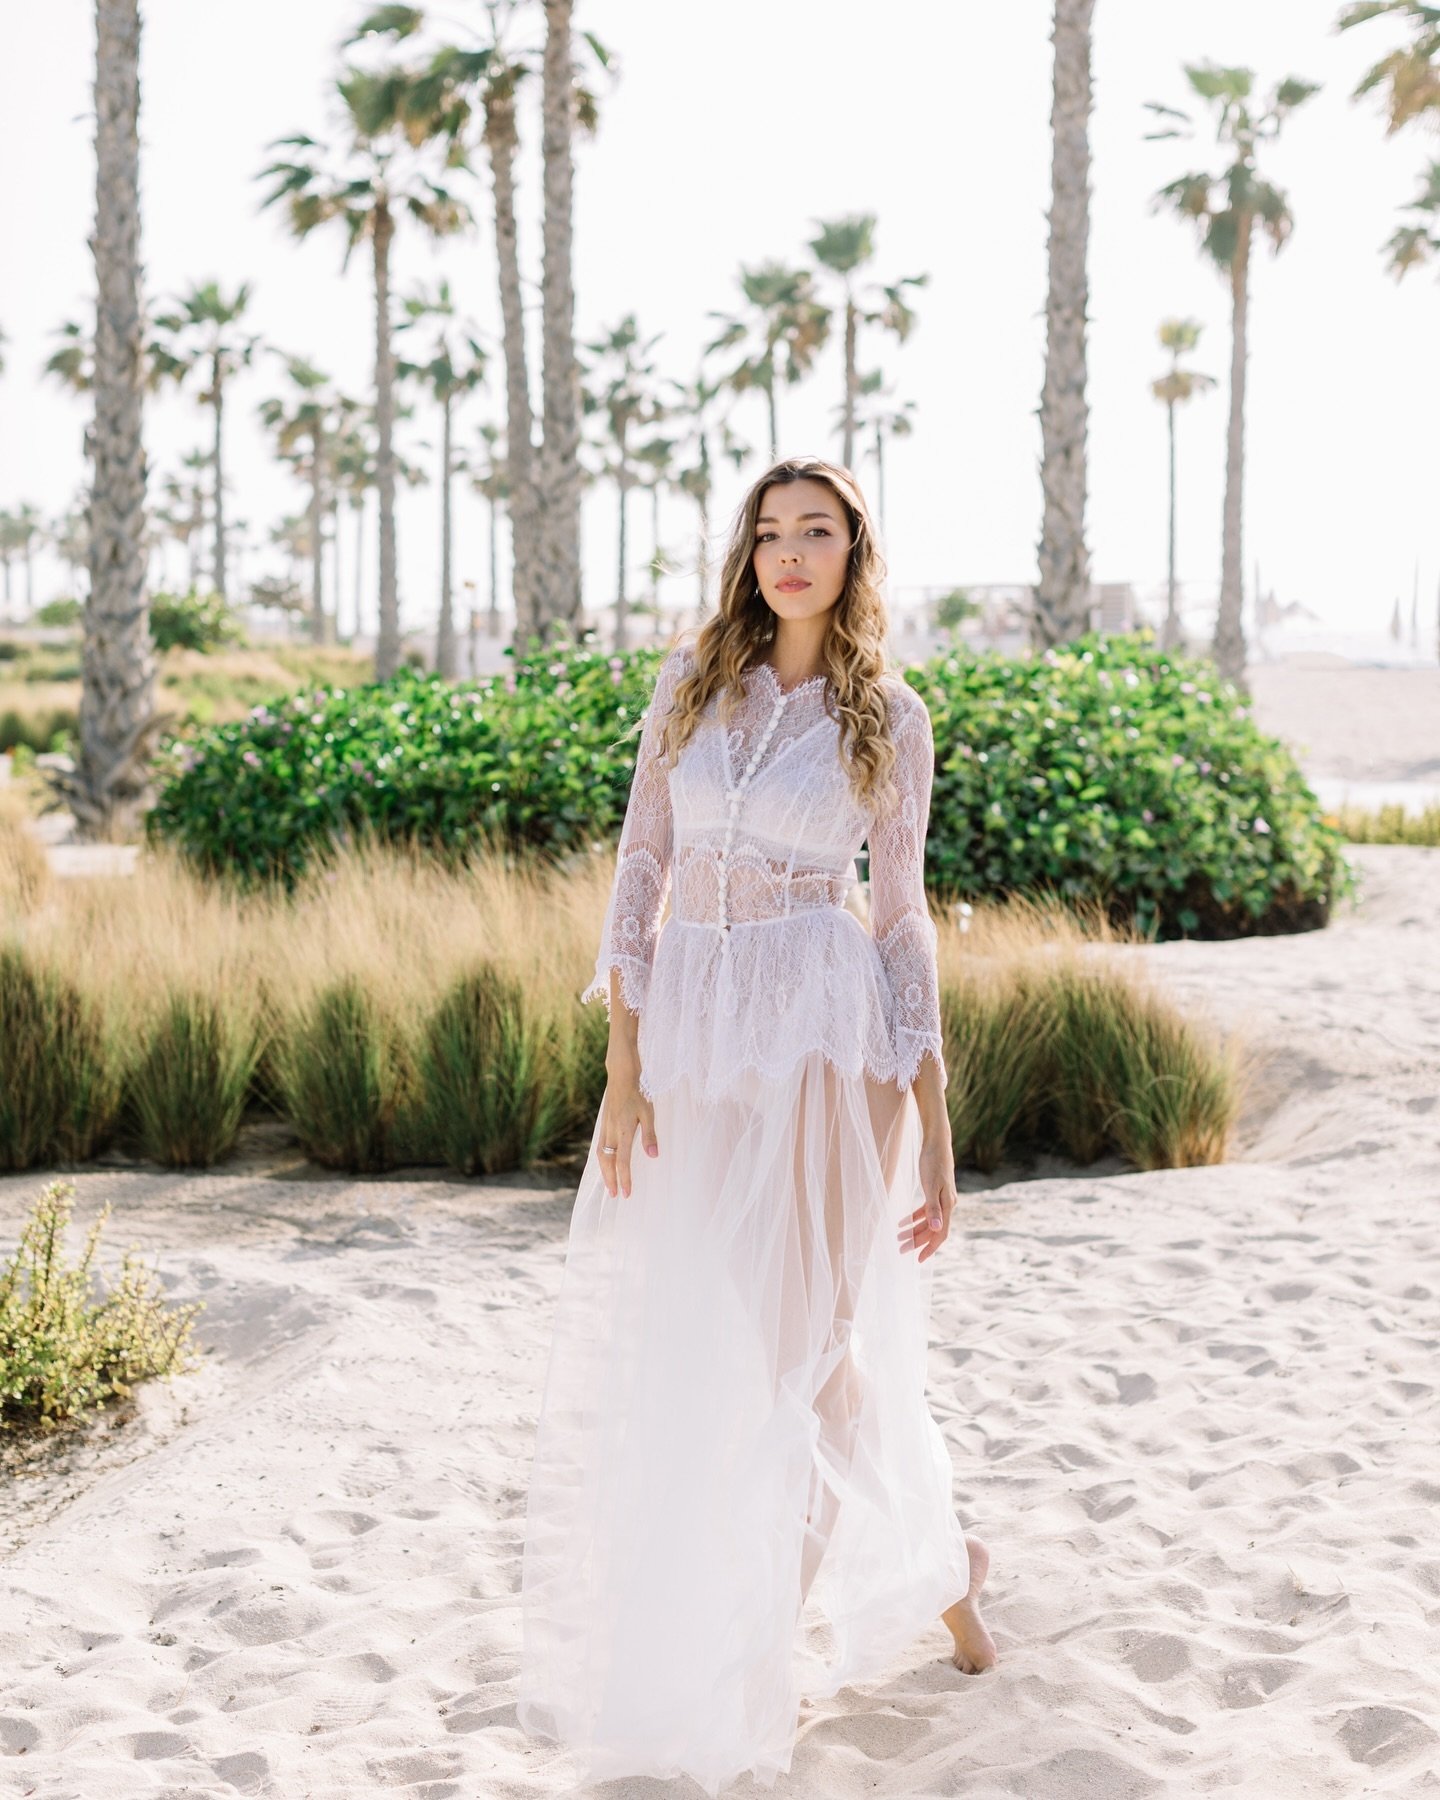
634 983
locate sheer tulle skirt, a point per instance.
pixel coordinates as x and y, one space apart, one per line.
739 1495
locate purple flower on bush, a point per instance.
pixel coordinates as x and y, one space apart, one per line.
1261 827
251 759
1148 816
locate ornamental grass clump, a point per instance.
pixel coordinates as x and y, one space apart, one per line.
1053 1045
62 1351
60 1076
343 1072
188 1089
488 1097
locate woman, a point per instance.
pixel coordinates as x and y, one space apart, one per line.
739 1496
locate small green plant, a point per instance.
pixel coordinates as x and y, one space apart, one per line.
488 1098
64 1353
187 1093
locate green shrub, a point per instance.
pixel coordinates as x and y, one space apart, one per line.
487 1094
192 621
60 612
344 1079
535 760
63 1353
188 1089
1112 770
1105 770
60 1089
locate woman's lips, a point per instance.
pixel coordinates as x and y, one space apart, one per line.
791 586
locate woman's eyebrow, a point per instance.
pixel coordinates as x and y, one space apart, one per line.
803 517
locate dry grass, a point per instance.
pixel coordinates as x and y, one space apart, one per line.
398 1010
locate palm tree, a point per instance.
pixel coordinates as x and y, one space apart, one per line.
1175 386
351 478
560 473
874 413
303 427
1062 595
108 786
365 193
693 403
1225 209
1408 79
70 534
454 365
444 98
657 459
1412 245
490 481
845 246
625 397
201 335
9 547
25 528
182 516
779 337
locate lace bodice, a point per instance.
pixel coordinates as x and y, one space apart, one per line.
753 837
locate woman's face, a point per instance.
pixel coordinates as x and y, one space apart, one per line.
802 548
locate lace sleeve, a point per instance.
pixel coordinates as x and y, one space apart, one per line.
642 862
900 918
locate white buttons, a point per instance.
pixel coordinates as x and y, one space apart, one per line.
732 804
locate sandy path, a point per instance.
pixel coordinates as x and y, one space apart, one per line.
1193 1413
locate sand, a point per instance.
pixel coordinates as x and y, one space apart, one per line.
1193 1413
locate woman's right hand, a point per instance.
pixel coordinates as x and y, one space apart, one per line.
621 1110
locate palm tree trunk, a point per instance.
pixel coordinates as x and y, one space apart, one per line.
1170 637
359 560
559 598
317 539
1229 644
387 638
1062 597
847 454
620 595
500 140
217 388
494 612
445 634
774 420
109 787
29 578
880 476
333 510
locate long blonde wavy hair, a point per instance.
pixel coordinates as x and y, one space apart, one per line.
740 630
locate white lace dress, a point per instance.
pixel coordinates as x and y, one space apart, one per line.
739 1496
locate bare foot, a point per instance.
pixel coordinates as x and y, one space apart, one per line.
974 1646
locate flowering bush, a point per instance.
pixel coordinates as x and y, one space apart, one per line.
1108 768
535 758
1105 768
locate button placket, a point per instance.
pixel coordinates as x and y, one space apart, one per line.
732 803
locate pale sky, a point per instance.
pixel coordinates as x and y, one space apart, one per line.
726 135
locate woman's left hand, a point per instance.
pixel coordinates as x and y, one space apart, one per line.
929 1225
